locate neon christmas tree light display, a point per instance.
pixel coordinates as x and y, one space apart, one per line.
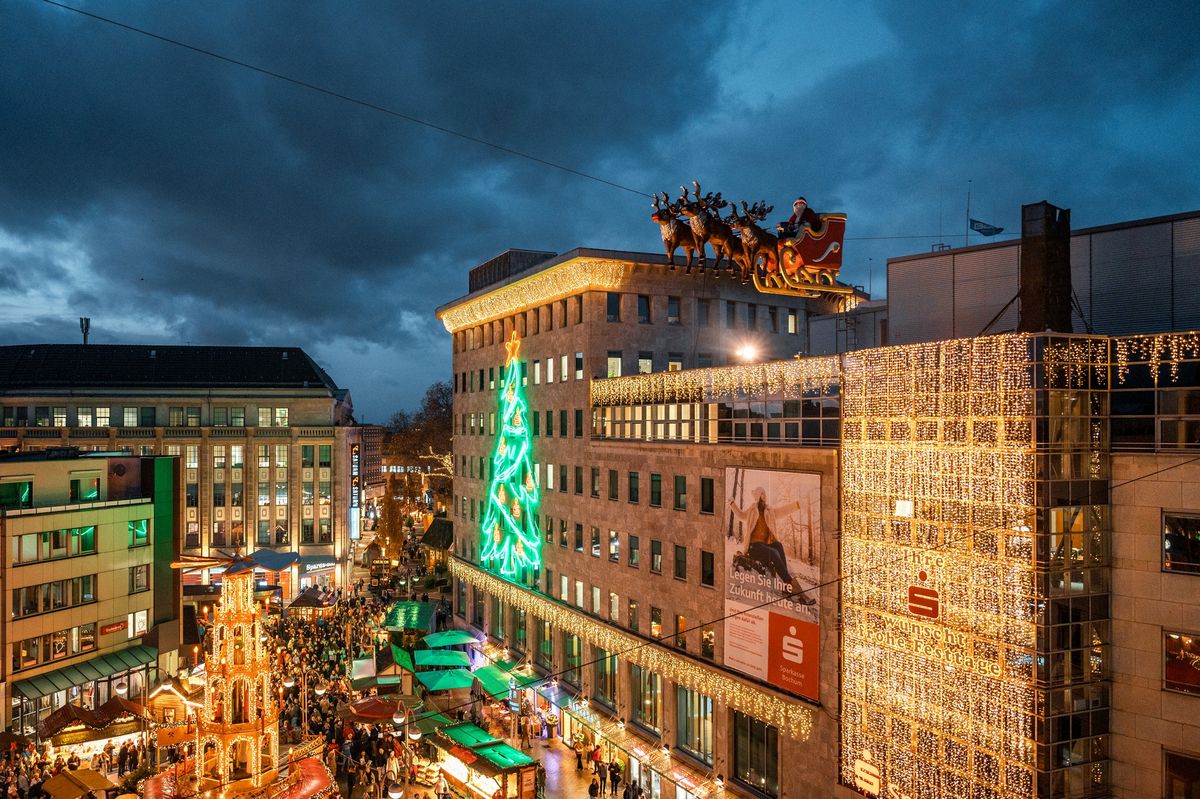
511 540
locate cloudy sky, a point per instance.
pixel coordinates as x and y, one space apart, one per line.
176 198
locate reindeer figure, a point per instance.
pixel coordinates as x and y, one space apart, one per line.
756 242
708 227
675 233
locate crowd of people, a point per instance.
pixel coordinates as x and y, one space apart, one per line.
26 768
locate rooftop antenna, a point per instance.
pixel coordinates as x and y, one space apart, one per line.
85 326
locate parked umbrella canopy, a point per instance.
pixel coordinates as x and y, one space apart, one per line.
446 680
449 638
441 657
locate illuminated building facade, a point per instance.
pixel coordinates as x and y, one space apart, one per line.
1008 533
90 606
264 437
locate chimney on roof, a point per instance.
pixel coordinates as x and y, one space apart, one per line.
85 326
1045 269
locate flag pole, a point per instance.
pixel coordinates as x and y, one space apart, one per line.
967 227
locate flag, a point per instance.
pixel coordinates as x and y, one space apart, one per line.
984 229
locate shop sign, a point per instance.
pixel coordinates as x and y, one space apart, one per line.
115 627
316 567
355 479
528 782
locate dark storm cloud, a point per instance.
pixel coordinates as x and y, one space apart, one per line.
173 197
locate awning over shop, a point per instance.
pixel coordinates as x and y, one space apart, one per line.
441 657
403 616
494 680
440 534
467 734
503 756
95 669
449 638
430 722
446 680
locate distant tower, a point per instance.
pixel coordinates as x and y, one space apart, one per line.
237 737
85 326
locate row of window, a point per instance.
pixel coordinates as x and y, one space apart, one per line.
526 323
32 600
140 416
277 455
751 319
755 744
558 474
269 533
69 542
485 424
51 647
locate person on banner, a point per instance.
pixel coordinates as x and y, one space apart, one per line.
765 548
801 215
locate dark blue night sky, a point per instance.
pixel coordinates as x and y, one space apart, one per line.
175 198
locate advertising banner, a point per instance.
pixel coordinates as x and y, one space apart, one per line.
773 555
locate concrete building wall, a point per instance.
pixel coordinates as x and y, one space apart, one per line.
1148 603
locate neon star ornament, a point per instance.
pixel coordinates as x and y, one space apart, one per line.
510 539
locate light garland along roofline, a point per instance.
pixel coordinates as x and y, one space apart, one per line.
790 716
558 281
790 378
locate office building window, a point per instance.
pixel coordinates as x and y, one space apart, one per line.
755 754
730 314
139 578
193 417
613 480
563 374
579 366
129 417
614 608
680 632
708 568
562 424
84 489
175 417
694 724
1181 543
645 689
673 311
674 361
324 456
281 456
633 488
708 643
643 308
595 481
549 371
632 610
596 605
139 532
281 417
707 504
324 531
656 557
1182 776
773 319
604 678
614 546
307 459
614 306
1182 668
595 542
703 313
751 316
192 536
572 658
680 562
191 456
645 363
635 554
614 363
578 423
680 492
655 490
792 326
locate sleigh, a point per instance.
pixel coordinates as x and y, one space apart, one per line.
808 263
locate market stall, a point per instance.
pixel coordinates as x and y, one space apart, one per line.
408 622
312 603
479 765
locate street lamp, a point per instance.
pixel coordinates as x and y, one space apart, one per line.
395 790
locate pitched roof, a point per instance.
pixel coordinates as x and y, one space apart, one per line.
32 366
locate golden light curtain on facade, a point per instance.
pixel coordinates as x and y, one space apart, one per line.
938 593
791 717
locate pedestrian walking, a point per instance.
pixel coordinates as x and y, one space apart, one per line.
578 756
602 772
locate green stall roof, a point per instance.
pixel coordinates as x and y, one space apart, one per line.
446 680
467 734
441 657
449 638
430 722
503 756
